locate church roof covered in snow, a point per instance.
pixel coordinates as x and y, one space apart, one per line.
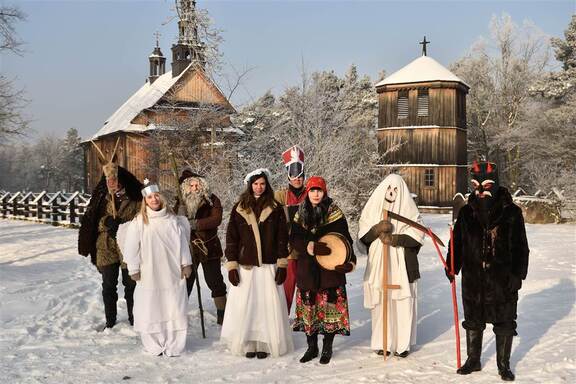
149 95
145 97
423 69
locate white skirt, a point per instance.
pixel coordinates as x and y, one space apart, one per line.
256 312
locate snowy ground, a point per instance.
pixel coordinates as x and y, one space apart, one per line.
50 304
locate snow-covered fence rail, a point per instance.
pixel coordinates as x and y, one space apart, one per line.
59 208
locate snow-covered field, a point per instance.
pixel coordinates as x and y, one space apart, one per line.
50 304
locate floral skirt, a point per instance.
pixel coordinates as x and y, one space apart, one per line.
324 311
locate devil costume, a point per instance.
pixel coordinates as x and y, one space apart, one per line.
491 250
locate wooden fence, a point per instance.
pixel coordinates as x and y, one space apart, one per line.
59 208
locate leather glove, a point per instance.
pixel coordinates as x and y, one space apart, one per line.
112 225
320 249
386 238
136 276
280 276
514 283
186 272
384 226
234 277
449 275
344 268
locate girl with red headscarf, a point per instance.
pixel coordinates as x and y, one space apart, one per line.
321 301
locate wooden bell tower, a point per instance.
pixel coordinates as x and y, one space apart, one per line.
422 129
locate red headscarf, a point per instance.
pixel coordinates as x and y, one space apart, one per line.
316 182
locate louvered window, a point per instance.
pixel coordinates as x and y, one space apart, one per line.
422 102
403 105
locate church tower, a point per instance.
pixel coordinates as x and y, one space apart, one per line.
188 49
157 62
422 129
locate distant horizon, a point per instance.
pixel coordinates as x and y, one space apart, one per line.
84 59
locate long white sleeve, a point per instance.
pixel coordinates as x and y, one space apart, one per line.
128 239
185 256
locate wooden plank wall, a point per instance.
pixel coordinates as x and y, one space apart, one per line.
424 145
439 195
447 108
196 88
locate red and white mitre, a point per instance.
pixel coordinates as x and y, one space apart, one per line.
293 159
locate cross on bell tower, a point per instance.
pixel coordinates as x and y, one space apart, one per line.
157 61
424 43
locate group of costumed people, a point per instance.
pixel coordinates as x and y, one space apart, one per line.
275 244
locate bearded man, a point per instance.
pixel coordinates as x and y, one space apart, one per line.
204 212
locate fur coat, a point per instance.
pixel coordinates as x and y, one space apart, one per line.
493 258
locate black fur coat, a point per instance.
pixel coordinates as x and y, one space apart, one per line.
493 258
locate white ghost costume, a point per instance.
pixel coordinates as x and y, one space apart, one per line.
402 303
158 250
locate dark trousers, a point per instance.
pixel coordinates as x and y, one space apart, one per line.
504 328
109 293
212 275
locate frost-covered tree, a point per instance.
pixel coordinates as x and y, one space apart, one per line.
501 71
12 101
332 119
72 162
550 141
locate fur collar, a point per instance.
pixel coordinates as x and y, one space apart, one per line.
250 218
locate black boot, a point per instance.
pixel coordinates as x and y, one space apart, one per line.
219 316
109 294
312 351
129 287
327 349
503 349
474 350
110 311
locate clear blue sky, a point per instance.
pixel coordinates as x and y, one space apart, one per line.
85 58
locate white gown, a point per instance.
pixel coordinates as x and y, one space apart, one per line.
402 303
158 250
256 317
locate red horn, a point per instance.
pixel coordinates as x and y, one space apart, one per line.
489 168
475 167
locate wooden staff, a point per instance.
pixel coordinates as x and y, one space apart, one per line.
385 288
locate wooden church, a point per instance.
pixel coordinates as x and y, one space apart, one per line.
165 100
422 130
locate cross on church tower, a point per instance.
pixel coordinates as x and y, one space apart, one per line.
424 43
157 35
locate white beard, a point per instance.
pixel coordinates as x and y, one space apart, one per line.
193 201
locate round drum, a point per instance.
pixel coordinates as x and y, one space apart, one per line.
340 248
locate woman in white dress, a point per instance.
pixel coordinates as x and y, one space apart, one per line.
155 248
256 317
404 241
